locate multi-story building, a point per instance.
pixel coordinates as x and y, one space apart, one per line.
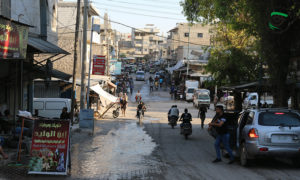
185 41
39 41
146 41
126 48
109 40
66 31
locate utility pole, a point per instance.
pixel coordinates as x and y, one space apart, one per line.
75 59
90 63
188 53
83 69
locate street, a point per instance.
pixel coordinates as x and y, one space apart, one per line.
123 149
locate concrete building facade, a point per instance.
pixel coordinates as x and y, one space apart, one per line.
186 41
147 41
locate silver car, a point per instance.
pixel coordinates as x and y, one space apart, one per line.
140 76
268 133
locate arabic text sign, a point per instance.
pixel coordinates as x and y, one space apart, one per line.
50 147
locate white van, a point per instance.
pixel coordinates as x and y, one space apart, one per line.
51 107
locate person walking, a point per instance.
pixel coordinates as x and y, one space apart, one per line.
201 114
123 104
222 134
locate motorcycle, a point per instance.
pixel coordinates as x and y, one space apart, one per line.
173 121
186 130
116 112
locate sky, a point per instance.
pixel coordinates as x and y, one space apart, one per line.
164 14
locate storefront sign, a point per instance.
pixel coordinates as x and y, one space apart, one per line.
13 40
98 65
50 147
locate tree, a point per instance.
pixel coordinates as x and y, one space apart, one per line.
273 42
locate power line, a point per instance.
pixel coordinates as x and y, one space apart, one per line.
146 32
138 4
162 17
164 12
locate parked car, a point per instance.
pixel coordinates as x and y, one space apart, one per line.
51 107
140 76
268 133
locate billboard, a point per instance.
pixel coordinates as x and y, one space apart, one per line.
115 67
50 147
13 40
98 65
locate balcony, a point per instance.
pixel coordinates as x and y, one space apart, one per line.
137 45
138 37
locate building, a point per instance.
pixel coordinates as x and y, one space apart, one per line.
35 55
109 40
126 49
185 46
146 42
67 12
187 41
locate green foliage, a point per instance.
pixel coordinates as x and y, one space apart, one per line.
242 29
122 55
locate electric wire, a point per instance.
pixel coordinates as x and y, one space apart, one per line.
147 15
147 10
138 4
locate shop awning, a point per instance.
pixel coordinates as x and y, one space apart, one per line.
111 84
177 66
38 45
40 72
105 97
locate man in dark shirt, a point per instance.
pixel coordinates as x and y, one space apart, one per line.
185 117
222 134
64 114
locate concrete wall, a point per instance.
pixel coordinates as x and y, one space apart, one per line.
28 12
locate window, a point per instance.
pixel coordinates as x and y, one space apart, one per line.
200 35
55 105
186 34
38 105
146 50
279 119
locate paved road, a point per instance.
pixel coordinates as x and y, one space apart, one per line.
191 159
123 149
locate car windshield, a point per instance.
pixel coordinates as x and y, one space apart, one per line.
190 91
140 73
200 96
279 119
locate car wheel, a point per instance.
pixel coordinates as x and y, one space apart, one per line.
243 155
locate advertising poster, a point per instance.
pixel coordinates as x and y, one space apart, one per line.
50 147
98 65
13 40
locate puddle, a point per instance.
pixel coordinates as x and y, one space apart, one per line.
124 150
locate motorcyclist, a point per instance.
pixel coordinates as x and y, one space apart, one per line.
141 106
173 112
186 117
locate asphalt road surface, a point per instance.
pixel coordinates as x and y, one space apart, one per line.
123 149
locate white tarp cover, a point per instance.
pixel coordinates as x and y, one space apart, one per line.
105 97
178 65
